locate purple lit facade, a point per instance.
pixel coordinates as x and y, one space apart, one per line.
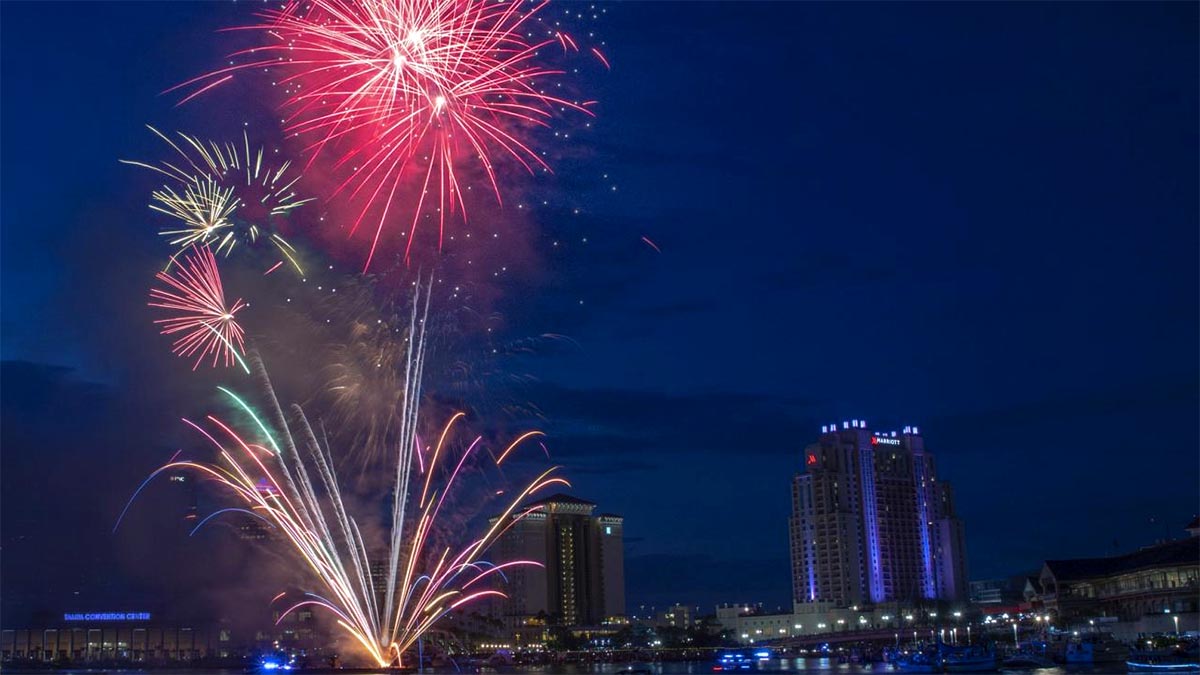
871 523
924 487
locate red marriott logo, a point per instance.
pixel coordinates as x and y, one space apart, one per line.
876 440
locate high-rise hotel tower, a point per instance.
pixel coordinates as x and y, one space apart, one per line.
579 579
871 523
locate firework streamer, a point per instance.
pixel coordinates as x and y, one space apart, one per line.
286 477
283 472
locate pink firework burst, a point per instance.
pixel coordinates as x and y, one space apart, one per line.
409 91
204 323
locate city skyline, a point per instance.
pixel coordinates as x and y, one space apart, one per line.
975 219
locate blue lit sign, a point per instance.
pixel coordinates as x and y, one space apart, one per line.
107 616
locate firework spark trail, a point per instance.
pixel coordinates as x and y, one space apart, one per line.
205 323
312 518
221 194
413 375
286 477
398 83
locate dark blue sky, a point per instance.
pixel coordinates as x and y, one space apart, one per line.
977 218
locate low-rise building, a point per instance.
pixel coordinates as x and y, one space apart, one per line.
749 624
1159 579
113 640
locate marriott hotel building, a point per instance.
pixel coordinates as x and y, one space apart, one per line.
871 523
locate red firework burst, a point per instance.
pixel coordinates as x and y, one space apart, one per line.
408 87
196 300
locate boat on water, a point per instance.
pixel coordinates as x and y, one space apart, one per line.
1030 655
1095 648
757 660
1177 657
917 661
1162 666
973 659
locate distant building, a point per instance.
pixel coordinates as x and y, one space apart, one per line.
1008 592
1156 580
749 623
871 523
113 637
582 578
675 616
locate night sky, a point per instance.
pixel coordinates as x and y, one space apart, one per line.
977 218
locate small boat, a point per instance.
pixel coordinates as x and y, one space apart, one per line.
1162 666
1098 648
968 659
732 661
1181 657
923 661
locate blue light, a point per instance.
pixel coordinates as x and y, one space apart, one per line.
107 616
923 499
874 556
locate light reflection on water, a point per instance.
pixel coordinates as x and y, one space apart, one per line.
815 666
797 665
